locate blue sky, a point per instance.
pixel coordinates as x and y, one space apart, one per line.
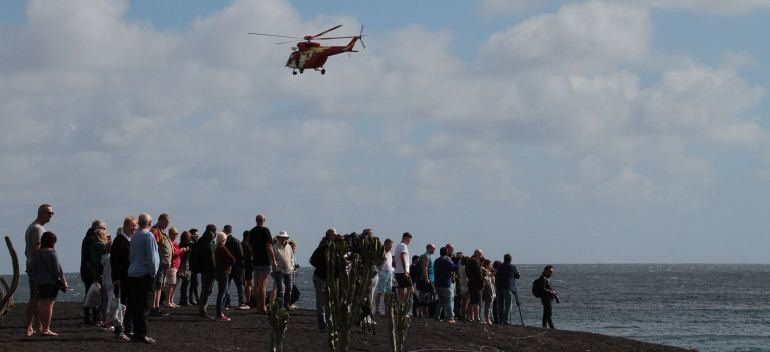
570 132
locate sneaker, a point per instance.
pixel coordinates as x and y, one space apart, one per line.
123 337
222 317
244 307
205 315
145 339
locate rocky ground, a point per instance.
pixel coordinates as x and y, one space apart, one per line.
183 330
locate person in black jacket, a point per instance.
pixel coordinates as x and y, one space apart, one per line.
505 284
233 245
548 296
119 264
204 260
89 313
318 261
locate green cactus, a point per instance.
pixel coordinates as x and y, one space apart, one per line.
278 317
398 321
348 285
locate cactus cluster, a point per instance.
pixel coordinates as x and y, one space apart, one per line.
350 267
6 291
398 321
278 317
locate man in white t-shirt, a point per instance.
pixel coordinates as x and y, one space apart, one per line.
401 265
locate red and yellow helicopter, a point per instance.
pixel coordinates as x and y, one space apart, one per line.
312 55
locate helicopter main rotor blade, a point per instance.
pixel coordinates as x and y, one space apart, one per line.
275 35
326 31
327 38
291 41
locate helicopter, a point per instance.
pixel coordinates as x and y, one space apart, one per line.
312 55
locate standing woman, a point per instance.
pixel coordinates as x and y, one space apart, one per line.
384 276
475 286
48 277
176 260
488 291
224 263
99 248
183 273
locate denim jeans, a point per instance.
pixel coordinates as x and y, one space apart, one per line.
445 302
505 299
221 288
283 287
319 284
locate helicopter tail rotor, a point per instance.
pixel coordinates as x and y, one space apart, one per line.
361 37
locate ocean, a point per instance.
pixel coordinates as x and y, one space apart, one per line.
709 307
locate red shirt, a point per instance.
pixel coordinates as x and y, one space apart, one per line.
176 257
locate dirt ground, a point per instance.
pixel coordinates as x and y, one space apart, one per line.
183 330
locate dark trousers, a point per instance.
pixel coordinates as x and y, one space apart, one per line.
140 294
183 288
207 285
547 312
235 276
193 294
128 325
283 286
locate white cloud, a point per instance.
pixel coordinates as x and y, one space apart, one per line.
589 36
711 7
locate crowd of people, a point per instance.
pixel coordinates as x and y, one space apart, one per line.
144 263
448 286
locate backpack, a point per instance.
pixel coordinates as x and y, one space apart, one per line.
317 258
538 287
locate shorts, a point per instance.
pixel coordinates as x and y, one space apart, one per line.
262 269
45 291
171 277
403 280
384 282
160 277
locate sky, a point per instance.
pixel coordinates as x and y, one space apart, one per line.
560 132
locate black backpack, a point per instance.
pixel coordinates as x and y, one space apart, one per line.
538 287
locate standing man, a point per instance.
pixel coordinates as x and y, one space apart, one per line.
403 261
32 238
426 259
547 295
166 252
143 265
204 252
263 260
233 245
119 262
505 285
444 267
318 260
284 267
